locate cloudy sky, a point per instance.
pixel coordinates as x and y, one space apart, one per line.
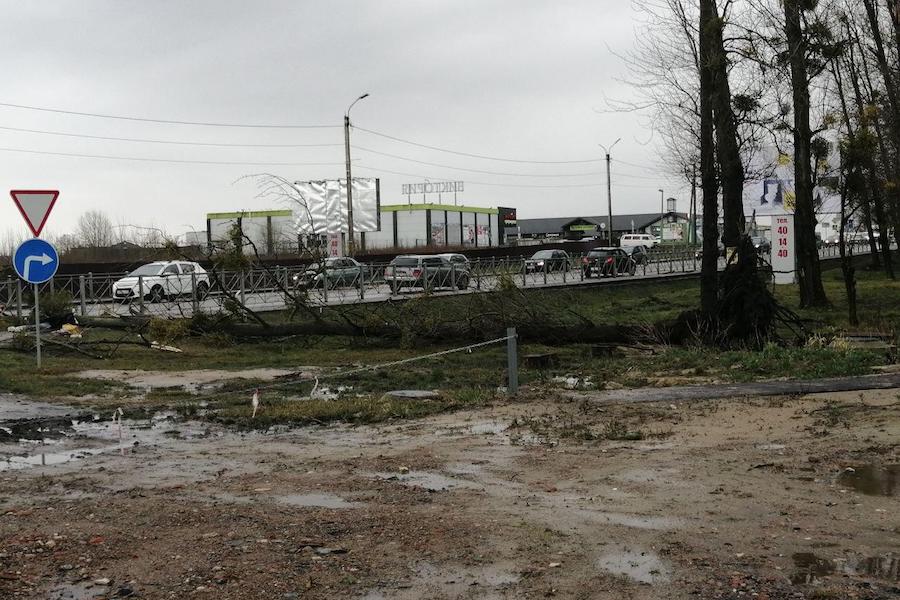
525 80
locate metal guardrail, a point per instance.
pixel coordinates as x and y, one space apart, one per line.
279 287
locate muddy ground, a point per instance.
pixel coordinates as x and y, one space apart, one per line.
567 497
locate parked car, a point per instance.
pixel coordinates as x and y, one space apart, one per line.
428 272
460 260
640 255
547 260
607 262
761 244
337 272
630 240
162 280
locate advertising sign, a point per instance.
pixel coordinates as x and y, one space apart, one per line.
783 259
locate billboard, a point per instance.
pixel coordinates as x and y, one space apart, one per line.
322 206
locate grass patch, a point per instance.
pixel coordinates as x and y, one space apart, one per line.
367 409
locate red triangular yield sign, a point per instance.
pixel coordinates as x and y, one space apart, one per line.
35 206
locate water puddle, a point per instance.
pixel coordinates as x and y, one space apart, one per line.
872 480
85 590
38 442
433 482
643 567
811 567
316 501
488 428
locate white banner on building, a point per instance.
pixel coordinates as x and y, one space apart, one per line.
783 256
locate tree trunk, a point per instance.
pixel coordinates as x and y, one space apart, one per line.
731 169
812 292
709 271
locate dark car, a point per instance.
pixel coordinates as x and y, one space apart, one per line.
761 244
337 272
607 262
547 260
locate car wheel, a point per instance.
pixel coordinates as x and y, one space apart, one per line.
202 290
156 294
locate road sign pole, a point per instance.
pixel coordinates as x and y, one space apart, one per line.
37 324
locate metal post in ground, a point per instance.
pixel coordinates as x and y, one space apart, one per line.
140 292
512 362
243 291
545 271
565 269
393 280
37 325
362 283
81 292
194 303
19 299
453 276
524 283
91 287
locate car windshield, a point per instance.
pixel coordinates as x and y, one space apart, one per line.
757 239
405 261
543 254
597 252
146 271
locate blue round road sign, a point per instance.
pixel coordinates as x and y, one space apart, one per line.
36 261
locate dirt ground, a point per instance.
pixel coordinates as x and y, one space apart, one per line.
543 497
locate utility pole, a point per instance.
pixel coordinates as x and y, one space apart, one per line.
662 214
609 187
693 224
350 240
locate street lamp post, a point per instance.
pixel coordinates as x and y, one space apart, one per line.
350 243
662 214
609 186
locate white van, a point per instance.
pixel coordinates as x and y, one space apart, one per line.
630 240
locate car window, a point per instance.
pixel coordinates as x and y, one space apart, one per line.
405 261
170 270
433 261
187 268
145 271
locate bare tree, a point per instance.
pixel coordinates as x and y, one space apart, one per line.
94 229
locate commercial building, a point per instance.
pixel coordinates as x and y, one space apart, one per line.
274 232
675 226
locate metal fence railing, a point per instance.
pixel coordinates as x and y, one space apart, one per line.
278 287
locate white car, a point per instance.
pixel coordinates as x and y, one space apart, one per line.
630 240
161 280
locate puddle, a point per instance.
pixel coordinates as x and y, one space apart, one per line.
488 428
316 500
433 482
873 480
191 381
55 441
643 567
78 591
810 567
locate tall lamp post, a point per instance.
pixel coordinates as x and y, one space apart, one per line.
350 241
662 214
609 186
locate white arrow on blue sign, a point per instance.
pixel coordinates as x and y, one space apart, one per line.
36 261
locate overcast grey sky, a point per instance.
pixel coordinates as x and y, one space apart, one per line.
518 79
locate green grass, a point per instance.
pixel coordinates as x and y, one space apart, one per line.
364 409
